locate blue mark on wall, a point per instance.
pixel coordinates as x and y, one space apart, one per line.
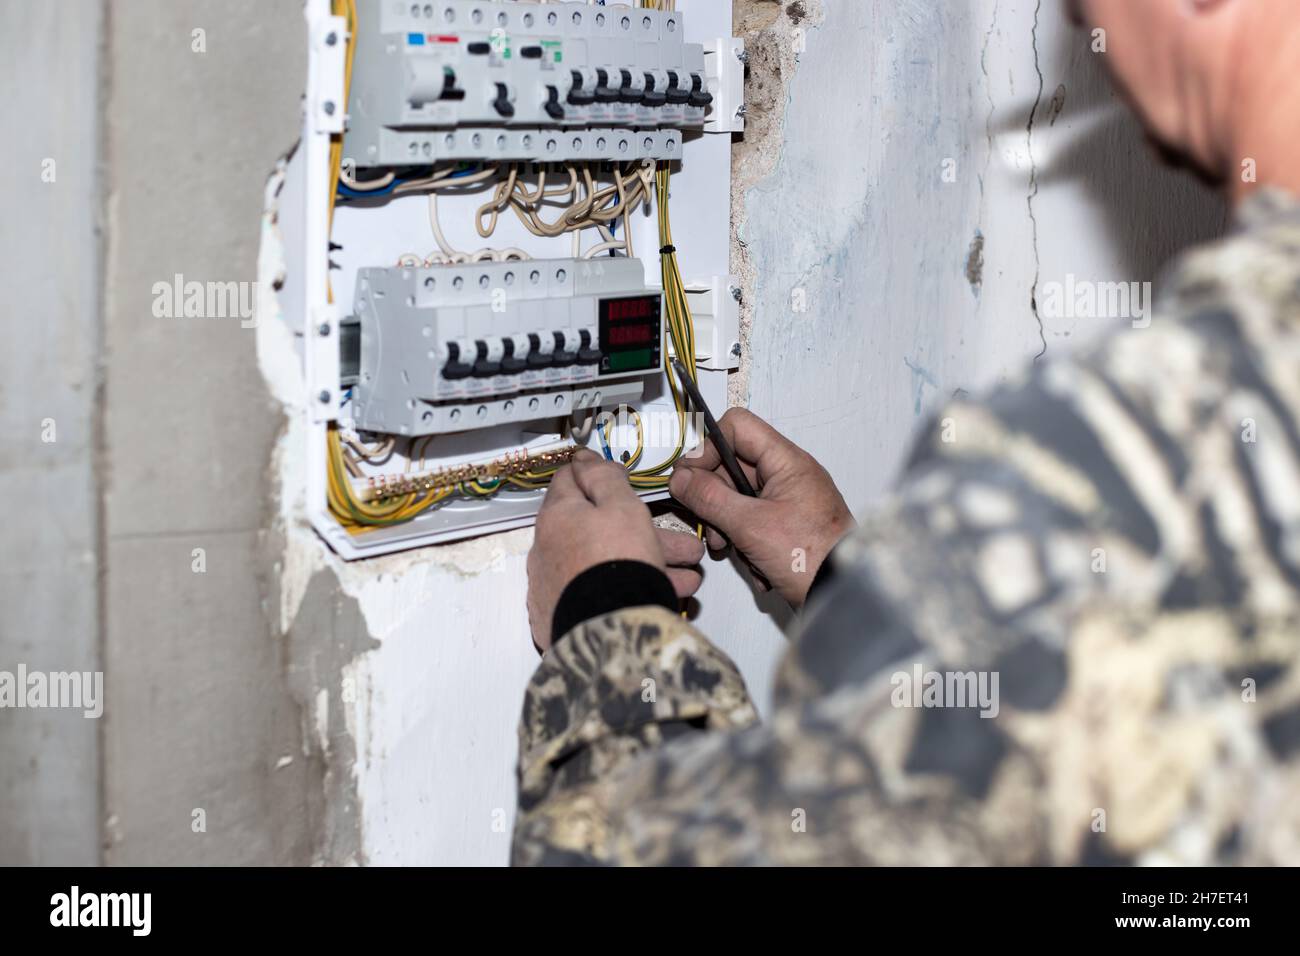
921 377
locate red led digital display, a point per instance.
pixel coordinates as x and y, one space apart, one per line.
622 310
641 334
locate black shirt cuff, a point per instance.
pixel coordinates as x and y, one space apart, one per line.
610 587
825 574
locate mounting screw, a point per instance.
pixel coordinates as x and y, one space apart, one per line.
741 110
735 349
331 38
329 107
323 328
735 292
742 56
324 396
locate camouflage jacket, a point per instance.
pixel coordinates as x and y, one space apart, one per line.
1071 637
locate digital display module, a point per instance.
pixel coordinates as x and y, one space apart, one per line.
630 334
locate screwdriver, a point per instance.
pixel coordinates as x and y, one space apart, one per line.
720 442
728 456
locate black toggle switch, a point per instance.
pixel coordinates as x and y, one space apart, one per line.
449 91
479 48
531 52
509 363
578 96
455 368
537 359
586 354
553 107
502 103
604 92
699 95
561 357
628 93
650 97
676 94
482 367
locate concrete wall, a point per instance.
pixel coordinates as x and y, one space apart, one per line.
200 714
49 391
366 713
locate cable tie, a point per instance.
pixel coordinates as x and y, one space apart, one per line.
667 250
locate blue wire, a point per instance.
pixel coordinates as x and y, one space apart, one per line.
366 193
613 223
371 193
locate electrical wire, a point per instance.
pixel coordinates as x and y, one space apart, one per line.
681 332
348 10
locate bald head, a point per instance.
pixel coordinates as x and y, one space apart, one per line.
1214 81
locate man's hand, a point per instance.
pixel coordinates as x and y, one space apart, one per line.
798 508
591 515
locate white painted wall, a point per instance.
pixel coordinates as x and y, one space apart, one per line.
859 217
856 214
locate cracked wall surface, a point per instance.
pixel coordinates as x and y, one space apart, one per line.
911 173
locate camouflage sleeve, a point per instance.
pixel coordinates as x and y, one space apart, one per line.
1070 638
609 691
1079 611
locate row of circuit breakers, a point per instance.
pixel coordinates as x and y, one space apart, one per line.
459 347
523 81
452 348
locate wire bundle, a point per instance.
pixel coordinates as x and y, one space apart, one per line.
586 204
681 331
358 515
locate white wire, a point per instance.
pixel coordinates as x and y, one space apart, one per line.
454 256
604 247
585 433
368 186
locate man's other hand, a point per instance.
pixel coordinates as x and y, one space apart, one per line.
789 529
591 515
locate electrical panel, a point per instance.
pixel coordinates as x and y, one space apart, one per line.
467 80
477 255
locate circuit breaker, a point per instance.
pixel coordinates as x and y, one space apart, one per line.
505 218
462 347
465 79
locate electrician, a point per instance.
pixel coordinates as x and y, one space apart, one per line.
1115 539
